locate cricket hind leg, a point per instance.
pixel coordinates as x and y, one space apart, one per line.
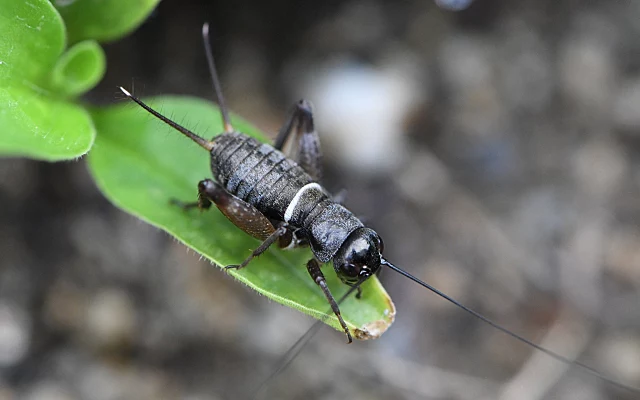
318 277
309 153
241 214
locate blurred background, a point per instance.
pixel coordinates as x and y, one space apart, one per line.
495 149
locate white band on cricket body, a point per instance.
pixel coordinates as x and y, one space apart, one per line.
292 206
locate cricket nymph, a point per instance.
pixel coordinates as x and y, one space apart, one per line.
280 189
274 198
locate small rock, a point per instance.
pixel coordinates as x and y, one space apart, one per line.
6 393
587 73
599 167
622 357
360 112
622 256
64 306
454 5
424 179
627 104
111 319
48 391
14 335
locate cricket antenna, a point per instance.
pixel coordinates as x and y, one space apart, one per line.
204 143
215 80
476 314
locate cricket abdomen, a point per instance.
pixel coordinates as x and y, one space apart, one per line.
256 173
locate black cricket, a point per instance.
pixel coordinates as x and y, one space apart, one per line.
274 196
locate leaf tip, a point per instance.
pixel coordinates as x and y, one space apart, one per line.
375 329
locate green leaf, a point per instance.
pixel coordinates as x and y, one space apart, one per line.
140 164
33 38
78 70
103 20
41 127
34 120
